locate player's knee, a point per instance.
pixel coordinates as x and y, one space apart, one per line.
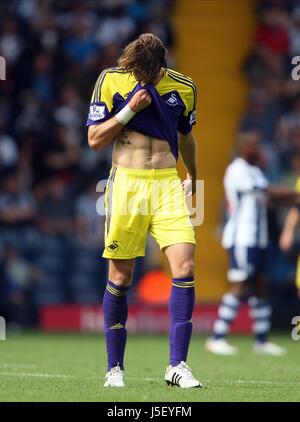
121 278
238 290
261 287
261 291
185 269
122 275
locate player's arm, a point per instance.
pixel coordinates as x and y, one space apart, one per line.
102 134
283 194
287 235
186 140
188 153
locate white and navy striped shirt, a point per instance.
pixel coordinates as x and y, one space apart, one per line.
245 189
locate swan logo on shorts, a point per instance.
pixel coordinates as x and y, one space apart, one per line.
113 246
172 101
97 112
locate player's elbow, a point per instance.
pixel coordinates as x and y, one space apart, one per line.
95 140
93 144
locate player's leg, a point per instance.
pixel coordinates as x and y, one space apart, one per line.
260 308
182 301
125 238
115 312
171 227
260 312
230 304
228 309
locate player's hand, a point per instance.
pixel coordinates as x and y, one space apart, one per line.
286 240
140 100
189 187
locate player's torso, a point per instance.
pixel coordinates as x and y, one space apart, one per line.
134 149
247 206
253 187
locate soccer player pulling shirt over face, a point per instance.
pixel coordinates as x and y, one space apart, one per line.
143 106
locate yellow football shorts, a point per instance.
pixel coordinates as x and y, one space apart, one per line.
141 201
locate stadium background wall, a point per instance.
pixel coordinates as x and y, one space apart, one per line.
213 38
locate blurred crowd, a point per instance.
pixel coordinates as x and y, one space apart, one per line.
273 110
51 235
50 232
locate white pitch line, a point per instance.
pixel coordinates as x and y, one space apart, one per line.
262 382
18 365
45 375
37 375
267 382
143 379
149 379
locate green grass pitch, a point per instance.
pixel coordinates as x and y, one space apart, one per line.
69 367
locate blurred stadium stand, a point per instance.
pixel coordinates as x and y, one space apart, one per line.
213 38
51 236
273 109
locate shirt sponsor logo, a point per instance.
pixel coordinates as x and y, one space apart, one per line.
172 101
97 112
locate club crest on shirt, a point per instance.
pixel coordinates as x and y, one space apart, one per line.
172 101
97 112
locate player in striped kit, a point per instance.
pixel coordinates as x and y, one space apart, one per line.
245 238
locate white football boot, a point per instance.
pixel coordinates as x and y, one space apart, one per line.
220 347
268 348
114 377
181 375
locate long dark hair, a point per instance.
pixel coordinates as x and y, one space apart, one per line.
144 57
